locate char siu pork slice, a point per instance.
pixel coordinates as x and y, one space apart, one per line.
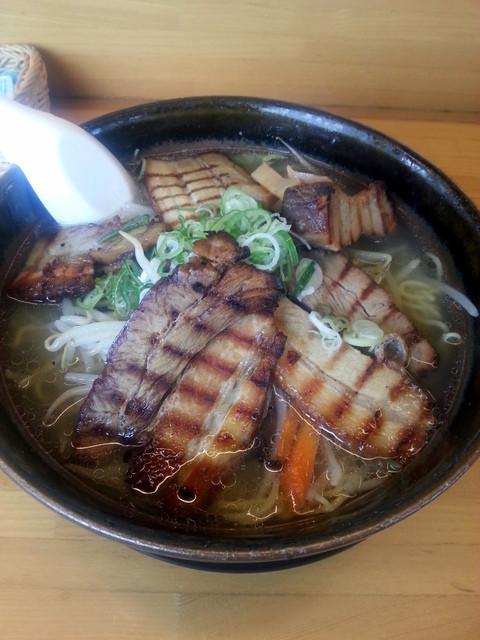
177 318
211 417
327 217
350 292
178 187
63 263
366 407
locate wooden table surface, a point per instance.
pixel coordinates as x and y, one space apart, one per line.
419 579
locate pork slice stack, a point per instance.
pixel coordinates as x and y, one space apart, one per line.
327 217
174 330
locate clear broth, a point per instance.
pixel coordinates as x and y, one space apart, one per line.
34 380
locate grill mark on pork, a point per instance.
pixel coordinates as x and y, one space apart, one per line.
202 396
351 292
364 375
341 407
175 351
178 187
390 315
355 302
182 469
367 291
313 385
369 409
65 261
140 408
223 368
371 426
396 391
177 340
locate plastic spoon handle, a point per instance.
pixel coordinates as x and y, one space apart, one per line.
77 179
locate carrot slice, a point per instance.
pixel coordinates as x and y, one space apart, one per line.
287 434
297 449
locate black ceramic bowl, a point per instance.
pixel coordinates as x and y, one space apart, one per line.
357 151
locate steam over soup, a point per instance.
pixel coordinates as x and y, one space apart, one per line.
257 343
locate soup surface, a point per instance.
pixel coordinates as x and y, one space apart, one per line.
293 465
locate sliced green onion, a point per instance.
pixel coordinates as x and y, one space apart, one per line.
92 298
289 255
120 291
363 333
266 235
142 221
126 290
234 199
235 221
209 210
309 276
303 274
337 323
264 250
169 245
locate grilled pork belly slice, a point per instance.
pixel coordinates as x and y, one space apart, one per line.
104 419
52 272
176 320
350 292
365 406
212 415
327 217
64 262
178 187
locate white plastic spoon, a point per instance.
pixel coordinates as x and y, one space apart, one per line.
77 179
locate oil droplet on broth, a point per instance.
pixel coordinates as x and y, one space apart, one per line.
185 494
273 465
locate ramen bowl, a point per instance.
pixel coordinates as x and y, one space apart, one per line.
352 150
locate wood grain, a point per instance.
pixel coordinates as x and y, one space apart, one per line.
408 55
418 579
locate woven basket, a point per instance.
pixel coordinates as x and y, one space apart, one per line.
31 84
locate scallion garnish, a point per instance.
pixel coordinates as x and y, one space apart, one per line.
141 221
271 248
120 291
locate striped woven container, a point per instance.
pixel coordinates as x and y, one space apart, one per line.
23 77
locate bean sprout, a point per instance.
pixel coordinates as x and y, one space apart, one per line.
83 334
